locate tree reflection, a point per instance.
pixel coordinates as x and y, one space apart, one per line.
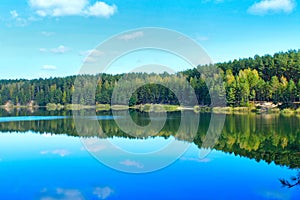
294 181
271 138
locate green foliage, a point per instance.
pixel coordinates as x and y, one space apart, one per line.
119 107
287 112
51 106
274 110
170 108
102 107
223 110
262 78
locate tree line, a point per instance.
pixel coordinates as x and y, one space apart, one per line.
262 78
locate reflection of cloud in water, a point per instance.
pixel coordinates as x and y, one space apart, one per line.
61 152
103 193
275 194
62 194
132 163
74 194
204 160
94 145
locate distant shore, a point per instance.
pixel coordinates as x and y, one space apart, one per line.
257 109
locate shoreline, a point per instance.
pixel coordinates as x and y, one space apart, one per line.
163 108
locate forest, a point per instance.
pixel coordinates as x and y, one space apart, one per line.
271 78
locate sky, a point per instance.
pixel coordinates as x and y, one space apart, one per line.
51 38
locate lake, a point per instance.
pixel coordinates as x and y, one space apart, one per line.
44 156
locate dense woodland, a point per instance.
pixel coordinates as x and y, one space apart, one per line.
262 78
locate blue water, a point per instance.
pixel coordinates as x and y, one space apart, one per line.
34 118
45 166
30 118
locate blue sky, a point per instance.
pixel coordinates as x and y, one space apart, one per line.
43 38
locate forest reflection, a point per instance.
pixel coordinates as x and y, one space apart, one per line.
268 137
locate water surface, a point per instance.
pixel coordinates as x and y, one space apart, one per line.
42 157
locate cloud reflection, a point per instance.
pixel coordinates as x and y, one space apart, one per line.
275 194
61 152
103 193
75 194
132 163
62 194
204 160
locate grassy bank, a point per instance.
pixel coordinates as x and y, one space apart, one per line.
165 108
157 108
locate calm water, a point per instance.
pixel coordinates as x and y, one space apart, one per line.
42 157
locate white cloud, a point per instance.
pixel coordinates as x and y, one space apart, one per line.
62 194
17 20
101 9
90 60
61 152
57 7
75 7
85 53
91 52
49 67
272 6
132 163
47 34
14 14
41 13
103 193
132 36
43 50
60 49
21 22
92 55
